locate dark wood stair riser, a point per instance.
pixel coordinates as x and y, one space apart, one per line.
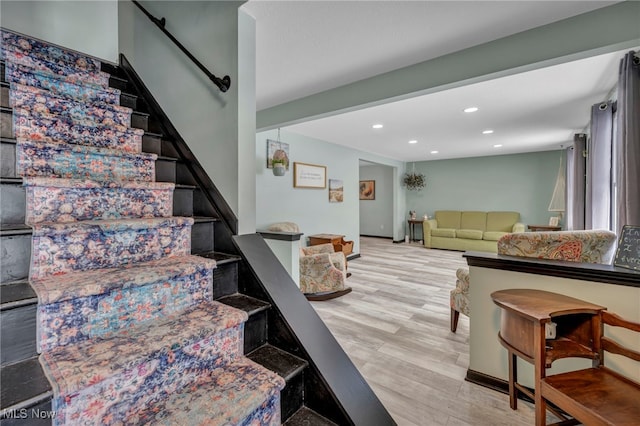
129 101
255 331
225 280
166 170
18 338
16 254
13 203
6 124
183 202
8 159
291 397
152 143
202 237
4 96
140 121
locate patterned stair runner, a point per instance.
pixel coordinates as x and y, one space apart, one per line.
39 100
147 363
36 158
127 330
70 200
95 303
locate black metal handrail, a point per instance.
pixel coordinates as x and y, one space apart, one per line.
223 83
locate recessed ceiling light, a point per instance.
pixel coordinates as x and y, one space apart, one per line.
498 145
377 126
413 141
434 152
487 132
471 109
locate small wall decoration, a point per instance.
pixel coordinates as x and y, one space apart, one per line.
628 252
309 176
367 189
336 191
278 151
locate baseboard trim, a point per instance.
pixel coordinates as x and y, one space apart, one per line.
376 236
492 383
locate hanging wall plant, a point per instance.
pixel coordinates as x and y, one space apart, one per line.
414 181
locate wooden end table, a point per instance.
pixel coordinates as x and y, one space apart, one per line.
338 241
543 228
526 317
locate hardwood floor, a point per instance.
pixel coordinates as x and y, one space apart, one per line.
395 328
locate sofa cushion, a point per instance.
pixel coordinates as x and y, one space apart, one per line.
470 234
493 235
473 220
443 232
448 219
502 221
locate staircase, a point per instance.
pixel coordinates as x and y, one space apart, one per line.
116 307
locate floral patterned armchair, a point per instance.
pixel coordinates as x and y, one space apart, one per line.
592 246
322 272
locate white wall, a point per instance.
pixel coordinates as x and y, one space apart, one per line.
86 26
277 200
207 119
376 216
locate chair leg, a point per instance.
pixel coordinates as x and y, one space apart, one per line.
454 320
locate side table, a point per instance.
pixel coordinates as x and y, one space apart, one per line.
412 228
541 327
338 241
543 228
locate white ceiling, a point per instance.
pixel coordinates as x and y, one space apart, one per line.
306 47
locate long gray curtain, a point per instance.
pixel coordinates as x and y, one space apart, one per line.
628 143
575 182
599 182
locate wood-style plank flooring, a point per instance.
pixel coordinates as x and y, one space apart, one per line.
395 328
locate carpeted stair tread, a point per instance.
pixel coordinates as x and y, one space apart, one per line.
79 284
93 304
96 244
57 159
71 368
73 121
241 393
36 99
47 57
70 200
15 73
52 128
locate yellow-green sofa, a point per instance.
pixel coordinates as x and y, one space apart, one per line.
469 230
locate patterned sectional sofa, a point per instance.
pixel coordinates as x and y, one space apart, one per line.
469 230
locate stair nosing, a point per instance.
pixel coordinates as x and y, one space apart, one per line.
17 229
18 304
28 402
11 180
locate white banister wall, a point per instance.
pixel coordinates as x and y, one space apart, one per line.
286 247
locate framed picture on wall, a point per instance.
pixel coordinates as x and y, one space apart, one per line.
367 189
336 191
309 176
